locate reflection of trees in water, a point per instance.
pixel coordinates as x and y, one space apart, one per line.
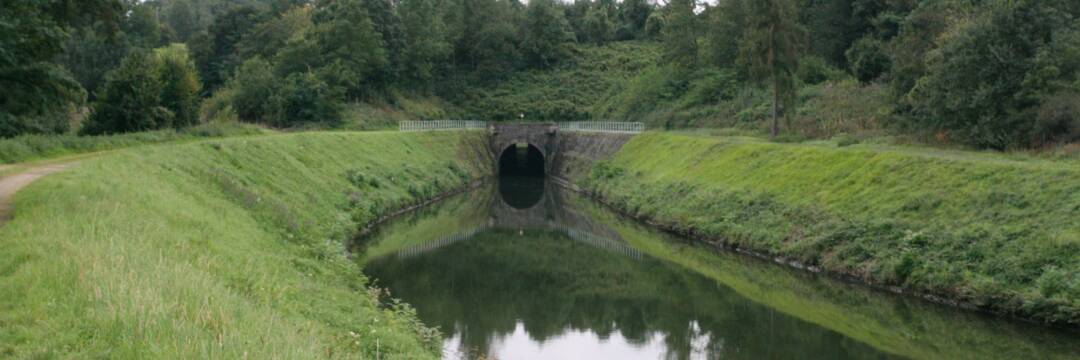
480 289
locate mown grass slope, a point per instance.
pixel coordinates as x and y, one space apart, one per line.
227 248
999 233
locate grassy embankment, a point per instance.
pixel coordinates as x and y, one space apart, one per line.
992 231
896 325
35 147
224 248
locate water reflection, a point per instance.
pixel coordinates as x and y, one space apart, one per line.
559 279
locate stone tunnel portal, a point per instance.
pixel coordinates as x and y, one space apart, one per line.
522 160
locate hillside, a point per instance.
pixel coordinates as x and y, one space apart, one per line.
228 248
572 90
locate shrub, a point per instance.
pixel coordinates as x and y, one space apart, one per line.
1058 119
814 70
868 59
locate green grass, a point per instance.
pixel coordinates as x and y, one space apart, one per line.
897 325
570 91
998 232
36 147
226 248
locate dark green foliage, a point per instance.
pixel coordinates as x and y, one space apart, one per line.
37 93
868 59
90 53
350 52
771 47
633 15
180 85
130 99
546 34
306 98
269 37
254 86
427 50
148 91
215 52
680 33
142 27
988 82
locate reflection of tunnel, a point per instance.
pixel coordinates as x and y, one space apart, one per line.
521 160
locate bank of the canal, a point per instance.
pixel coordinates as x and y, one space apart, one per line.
567 278
978 230
228 248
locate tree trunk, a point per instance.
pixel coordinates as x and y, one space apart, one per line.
775 108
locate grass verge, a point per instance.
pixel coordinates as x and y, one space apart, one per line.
228 248
994 233
35 147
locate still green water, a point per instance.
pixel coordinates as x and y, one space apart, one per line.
524 270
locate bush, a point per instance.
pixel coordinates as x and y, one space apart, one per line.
1058 119
814 70
148 92
131 99
868 59
252 90
307 99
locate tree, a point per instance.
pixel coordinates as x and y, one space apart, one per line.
771 47
36 91
546 34
350 51
268 38
181 18
426 47
130 99
487 43
868 59
215 52
598 25
389 29
633 14
142 27
306 98
253 88
726 24
680 34
988 82
89 53
180 84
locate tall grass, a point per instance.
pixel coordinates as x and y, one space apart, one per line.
994 231
225 248
33 147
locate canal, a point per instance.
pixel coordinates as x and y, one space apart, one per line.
521 269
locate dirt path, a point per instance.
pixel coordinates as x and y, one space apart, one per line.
11 184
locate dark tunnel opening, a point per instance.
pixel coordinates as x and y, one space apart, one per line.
521 160
521 176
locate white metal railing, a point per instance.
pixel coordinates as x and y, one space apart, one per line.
590 126
603 126
440 125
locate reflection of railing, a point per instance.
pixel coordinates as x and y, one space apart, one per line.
440 125
432 245
585 126
604 243
603 126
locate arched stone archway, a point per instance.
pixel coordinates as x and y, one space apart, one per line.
541 136
522 159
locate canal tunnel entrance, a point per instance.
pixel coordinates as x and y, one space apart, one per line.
521 175
521 160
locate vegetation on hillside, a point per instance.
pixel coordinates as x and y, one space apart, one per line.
996 233
223 248
998 74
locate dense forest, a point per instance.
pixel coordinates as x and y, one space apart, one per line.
999 74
